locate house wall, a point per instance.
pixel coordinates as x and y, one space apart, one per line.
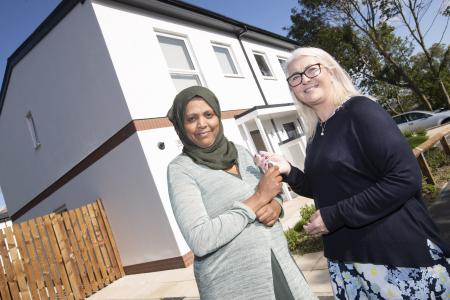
158 160
124 182
276 89
131 38
97 70
68 83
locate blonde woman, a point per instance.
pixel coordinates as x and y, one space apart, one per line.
378 236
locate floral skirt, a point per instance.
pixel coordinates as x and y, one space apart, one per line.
369 281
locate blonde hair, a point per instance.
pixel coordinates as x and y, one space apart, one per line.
342 86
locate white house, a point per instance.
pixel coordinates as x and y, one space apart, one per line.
83 105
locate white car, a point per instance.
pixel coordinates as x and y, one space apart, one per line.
421 120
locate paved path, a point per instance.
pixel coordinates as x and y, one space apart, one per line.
180 284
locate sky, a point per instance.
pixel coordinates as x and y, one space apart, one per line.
19 18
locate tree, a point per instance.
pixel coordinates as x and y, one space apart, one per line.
421 73
410 12
360 35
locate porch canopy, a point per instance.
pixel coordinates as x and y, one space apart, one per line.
274 128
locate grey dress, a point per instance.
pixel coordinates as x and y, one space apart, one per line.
232 250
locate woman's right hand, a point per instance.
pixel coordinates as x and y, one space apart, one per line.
264 159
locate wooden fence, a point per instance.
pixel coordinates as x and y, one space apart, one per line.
419 150
68 255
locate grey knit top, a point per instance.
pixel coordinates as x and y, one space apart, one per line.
232 250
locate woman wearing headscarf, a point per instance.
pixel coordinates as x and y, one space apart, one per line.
366 183
226 210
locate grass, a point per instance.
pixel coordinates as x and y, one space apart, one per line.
416 138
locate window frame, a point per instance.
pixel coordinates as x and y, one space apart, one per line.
285 61
266 60
190 52
232 57
294 129
31 124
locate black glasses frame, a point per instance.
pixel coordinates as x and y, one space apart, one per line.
304 73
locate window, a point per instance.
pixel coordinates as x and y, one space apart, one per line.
291 131
32 130
262 64
283 64
181 66
400 119
225 59
418 116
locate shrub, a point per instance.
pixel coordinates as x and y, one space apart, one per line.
305 213
429 191
292 238
298 239
436 158
427 188
309 244
421 132
416 140
407 133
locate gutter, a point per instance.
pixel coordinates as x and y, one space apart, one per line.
239 37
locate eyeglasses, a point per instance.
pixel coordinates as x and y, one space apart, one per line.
310 72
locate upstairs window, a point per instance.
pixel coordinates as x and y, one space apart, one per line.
283 64
261 60
223 54
32 129
179 60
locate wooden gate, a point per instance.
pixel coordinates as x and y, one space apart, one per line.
68 255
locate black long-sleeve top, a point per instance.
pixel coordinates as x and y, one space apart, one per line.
366 182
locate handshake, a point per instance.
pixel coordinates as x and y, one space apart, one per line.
265 160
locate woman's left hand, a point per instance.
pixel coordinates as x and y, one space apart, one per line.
315 225
269 213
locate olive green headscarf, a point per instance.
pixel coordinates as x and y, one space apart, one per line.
222 154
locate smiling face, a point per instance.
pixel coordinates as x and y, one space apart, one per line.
312 91
200 123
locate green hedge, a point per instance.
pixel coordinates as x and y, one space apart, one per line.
298 240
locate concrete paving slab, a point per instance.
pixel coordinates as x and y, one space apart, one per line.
307 262
319 281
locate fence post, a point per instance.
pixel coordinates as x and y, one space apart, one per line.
445 146
426 169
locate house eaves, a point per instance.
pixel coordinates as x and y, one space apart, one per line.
172 8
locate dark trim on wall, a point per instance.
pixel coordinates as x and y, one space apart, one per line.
161 265
114 141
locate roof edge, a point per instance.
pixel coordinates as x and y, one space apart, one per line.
212 14
254 108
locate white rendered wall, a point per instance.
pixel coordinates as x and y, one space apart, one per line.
130 35
158 161
276 89
68 83
123 180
